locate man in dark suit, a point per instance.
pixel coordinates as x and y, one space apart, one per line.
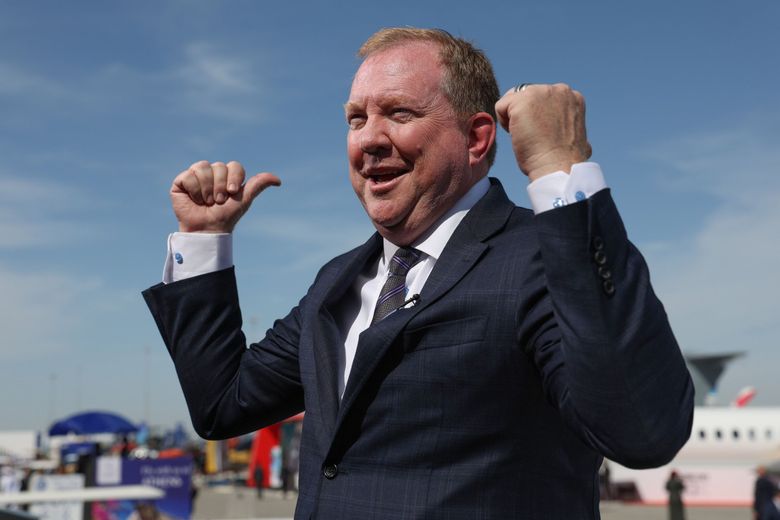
764 492
771 509
471 359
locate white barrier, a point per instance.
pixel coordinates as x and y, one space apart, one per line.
93 494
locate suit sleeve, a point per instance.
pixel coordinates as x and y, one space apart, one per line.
230 389
607 355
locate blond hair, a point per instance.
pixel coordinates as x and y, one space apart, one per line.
468 83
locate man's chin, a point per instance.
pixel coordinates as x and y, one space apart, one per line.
400 232
387 219
387 226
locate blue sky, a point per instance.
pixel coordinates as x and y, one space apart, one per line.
103 103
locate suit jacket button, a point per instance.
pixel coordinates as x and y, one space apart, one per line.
330 471
609 287
598 243
604 272
600 257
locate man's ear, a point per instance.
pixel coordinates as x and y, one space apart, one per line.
482 134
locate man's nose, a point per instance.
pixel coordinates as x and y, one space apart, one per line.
373 136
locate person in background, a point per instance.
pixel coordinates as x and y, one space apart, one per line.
675 487
291 443
771 510
25 485
605 481
764 492
259 474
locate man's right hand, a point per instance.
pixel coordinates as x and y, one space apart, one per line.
211 198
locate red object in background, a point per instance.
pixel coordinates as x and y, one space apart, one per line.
745 396
171 453
262 443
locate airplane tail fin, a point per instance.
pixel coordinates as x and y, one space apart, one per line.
706 370
744 396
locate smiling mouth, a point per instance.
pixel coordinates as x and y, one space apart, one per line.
380 179
383 178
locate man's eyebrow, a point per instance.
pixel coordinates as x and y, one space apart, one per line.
386 101
350 106
394 101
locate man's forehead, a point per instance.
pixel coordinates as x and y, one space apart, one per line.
402 58
406 69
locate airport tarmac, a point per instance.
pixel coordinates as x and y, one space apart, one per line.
240 503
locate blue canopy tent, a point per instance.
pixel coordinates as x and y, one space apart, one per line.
92 422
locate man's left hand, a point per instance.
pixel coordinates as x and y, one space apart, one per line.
547 126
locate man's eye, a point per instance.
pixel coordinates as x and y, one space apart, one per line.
402 114
355 121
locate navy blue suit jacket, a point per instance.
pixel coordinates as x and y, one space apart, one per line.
536 348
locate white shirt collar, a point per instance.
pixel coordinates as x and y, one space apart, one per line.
432 242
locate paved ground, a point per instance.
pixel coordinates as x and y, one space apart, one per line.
228 503
613 511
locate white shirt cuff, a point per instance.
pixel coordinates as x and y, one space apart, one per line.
193 254
559 189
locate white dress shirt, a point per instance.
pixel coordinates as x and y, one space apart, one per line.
191 254
369 284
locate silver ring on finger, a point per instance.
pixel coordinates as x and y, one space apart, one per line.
522 86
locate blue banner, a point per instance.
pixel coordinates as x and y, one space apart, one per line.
173 476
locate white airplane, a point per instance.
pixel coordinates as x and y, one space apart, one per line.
718 464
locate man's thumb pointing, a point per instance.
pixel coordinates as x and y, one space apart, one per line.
255 185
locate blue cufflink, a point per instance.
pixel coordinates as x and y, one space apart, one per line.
579 196
558 202
179 259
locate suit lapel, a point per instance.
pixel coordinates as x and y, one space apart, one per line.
463 250
326 335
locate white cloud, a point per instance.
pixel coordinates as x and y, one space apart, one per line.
218 71
721 286
40 213
15 81
39 311
219 84
39 193
736 164
207 80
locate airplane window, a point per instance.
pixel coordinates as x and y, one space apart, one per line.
702 434
752 434
718 434
768 433
735 434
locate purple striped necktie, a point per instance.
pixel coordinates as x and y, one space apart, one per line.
393 293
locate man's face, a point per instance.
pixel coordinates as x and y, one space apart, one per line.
408 152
